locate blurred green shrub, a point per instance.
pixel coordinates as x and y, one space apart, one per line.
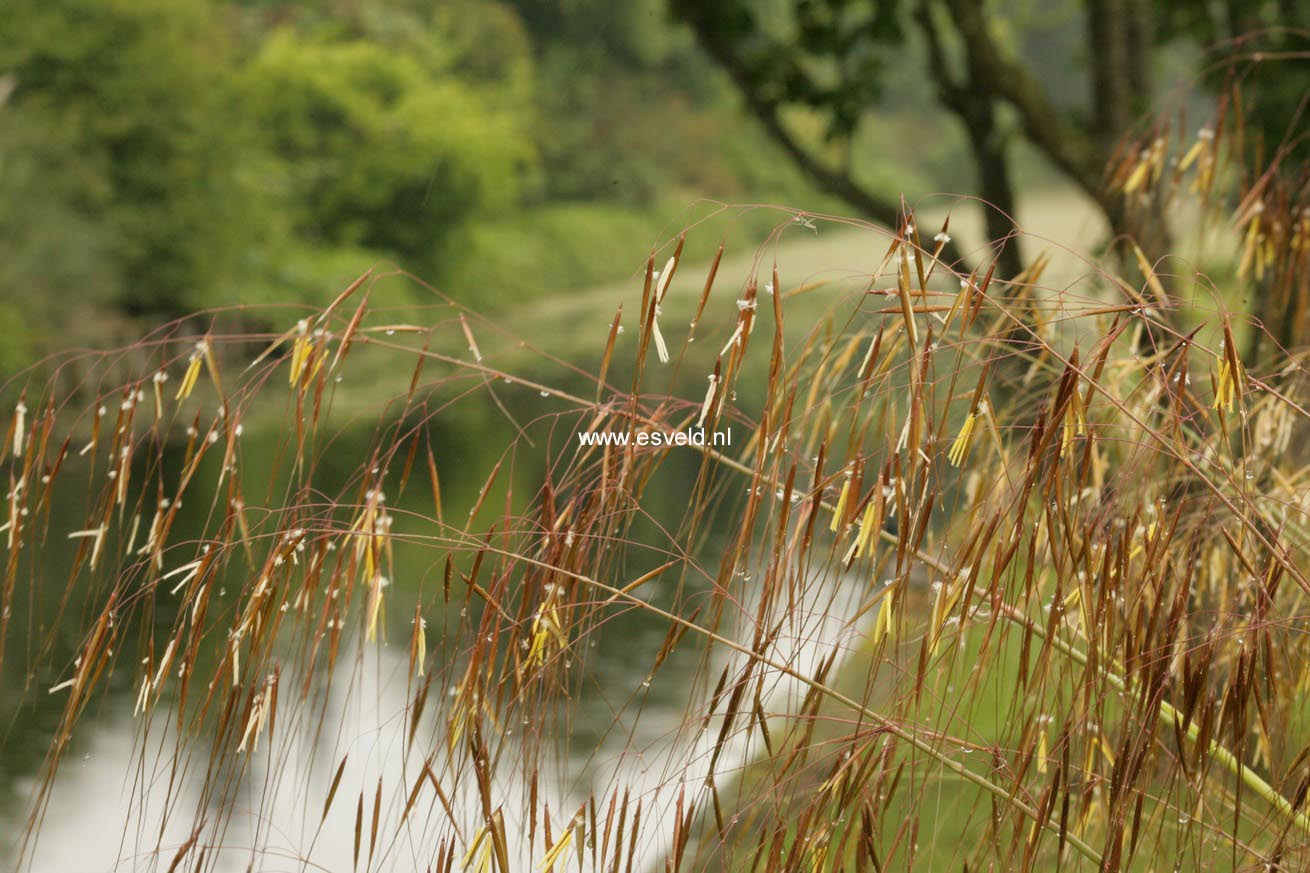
376 152
117 154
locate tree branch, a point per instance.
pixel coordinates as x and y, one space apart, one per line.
842 185
975 108
1066 147
1107 32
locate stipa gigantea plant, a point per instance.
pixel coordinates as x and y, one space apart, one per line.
998 575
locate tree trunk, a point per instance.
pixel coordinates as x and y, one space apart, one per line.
996 188
975 106
1107 33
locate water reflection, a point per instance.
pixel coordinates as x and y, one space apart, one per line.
122 775
125 798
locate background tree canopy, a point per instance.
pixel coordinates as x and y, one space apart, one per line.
119 175
166 155
833 57
157 156
373 149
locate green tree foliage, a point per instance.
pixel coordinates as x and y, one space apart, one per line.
375 151
161 156
119 154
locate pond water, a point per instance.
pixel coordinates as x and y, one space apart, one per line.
125 798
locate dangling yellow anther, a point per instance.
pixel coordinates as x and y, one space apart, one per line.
1075 424
1251 244
299 352
374 606
868 528
1226 389
883 626
372 534
546 628
482 840
840 512
960 447
557 851
1137 177
20 428
260 712
420 643
192 373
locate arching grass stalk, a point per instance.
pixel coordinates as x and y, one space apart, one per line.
1171 509
1168 714
890 726
1172 717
